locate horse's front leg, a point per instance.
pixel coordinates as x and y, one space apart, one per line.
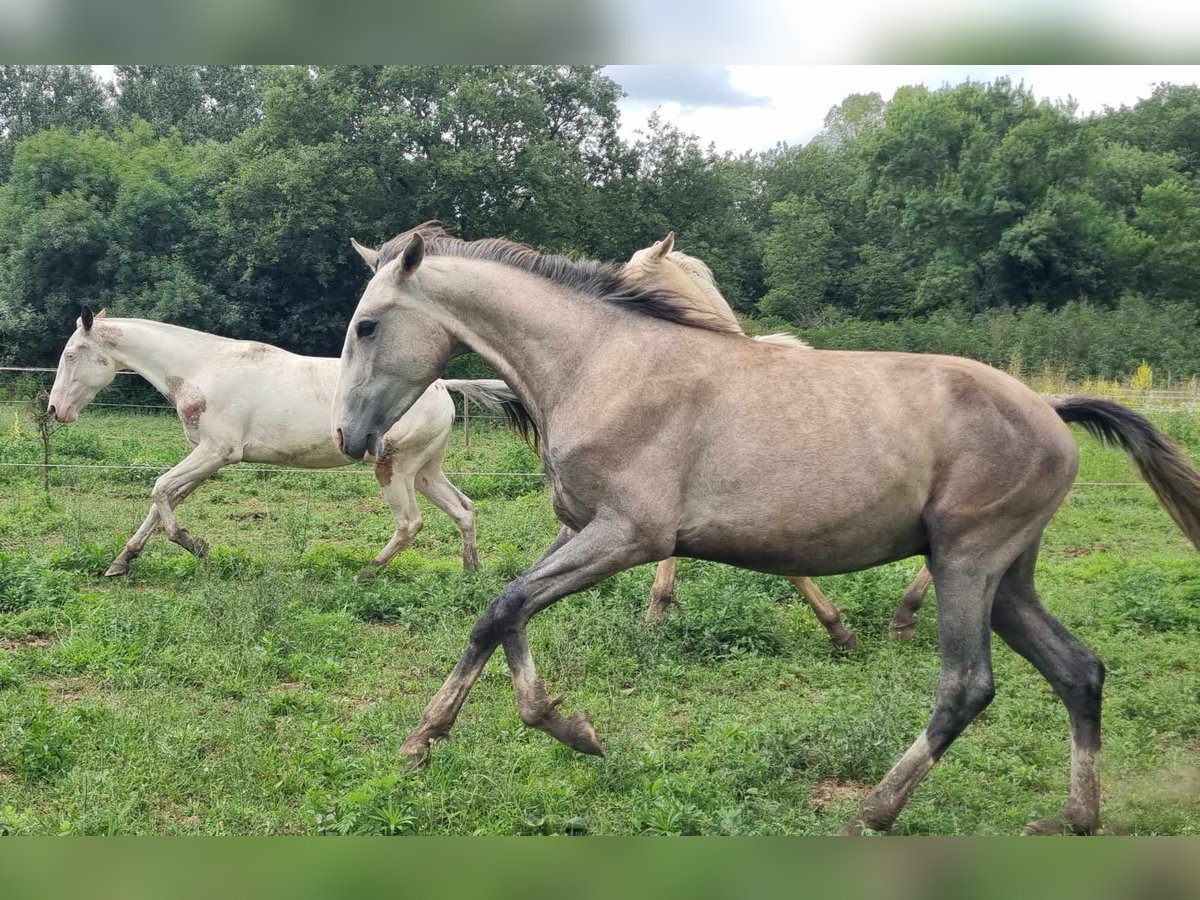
601 549
136 544
194 469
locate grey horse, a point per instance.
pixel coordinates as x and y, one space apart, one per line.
667 433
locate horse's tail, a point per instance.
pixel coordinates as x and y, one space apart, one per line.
499 397
1162 462
783 339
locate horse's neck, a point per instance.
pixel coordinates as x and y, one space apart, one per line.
158 352
536 335
707 297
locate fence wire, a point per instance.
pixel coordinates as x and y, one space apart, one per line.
18 386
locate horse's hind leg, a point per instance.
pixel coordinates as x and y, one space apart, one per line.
904 622
828 614
1077 676
662 593
966 586
397 486
433 483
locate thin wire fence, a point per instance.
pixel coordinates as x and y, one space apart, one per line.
18 385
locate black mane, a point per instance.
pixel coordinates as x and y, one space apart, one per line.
603 281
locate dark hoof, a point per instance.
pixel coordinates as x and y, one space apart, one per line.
367 575
585 739
904 631
416 762
858 828
416 754
1056 825
200 548
845 643
119 567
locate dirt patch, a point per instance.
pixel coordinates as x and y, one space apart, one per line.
831 792
288 686
1075 552
28 640
387 627
71 689
248 516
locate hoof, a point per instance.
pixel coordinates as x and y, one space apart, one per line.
585 739
367 575
903 631
416 762
858 828
119 567
416 749
200 548
1056 825
656 612
845 643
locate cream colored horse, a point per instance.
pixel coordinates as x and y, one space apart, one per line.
663 266
246 401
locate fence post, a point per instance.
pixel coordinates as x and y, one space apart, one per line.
466 424
40 410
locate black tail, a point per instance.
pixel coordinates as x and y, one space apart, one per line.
496 395
1162 462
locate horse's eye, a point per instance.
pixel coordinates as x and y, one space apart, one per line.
365 328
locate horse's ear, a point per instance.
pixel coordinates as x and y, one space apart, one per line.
413 253
663 247
102 314
369 256
86 317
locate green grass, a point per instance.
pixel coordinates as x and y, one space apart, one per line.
265 691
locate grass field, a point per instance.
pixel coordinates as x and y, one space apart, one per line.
265 691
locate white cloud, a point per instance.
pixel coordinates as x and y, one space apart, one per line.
800 96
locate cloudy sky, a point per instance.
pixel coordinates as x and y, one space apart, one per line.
754 107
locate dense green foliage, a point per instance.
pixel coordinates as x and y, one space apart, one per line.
223 198
265 691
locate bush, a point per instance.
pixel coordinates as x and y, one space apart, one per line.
1080 340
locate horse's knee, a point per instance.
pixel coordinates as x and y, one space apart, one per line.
531 710
960 699
1083 689
498 620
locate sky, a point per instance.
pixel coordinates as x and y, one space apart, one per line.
754 107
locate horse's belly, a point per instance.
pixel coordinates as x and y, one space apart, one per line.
802 552
799 522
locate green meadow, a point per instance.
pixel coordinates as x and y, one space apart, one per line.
265 691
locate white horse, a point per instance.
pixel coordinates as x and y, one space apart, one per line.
247 401
685 276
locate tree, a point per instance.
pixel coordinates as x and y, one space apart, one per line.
794 256
33 98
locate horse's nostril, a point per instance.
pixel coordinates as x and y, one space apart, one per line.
52 409
341 441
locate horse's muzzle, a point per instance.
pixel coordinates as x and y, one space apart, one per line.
355 447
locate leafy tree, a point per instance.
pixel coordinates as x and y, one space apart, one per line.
795 256
33 98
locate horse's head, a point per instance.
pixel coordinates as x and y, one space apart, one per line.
85 367
665 267
395 348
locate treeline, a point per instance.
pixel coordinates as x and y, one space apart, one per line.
972 219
